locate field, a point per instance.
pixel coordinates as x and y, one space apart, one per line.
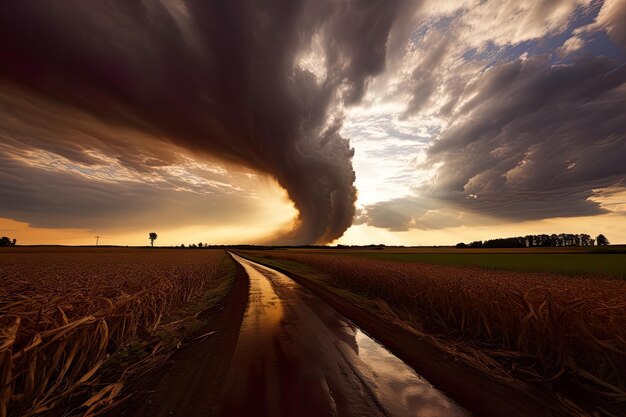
77 324
69 316
567 333
601 262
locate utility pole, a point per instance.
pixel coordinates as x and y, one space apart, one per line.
97 238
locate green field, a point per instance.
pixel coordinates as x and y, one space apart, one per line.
589 262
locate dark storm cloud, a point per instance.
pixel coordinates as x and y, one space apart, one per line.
61 199
30 122
405 213
218 77
517 136
424 79
532 139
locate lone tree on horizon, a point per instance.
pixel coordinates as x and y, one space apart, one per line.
601 240
152 236
5 241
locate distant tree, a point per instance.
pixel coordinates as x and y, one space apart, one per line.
461 245
14 242
476 244
602 240
152 236
5 241
200 244
182 245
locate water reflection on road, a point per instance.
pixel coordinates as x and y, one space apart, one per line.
297 356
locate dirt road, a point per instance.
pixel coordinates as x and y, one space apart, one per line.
278 348
284 352
296 356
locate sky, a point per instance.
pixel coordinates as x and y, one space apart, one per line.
401 122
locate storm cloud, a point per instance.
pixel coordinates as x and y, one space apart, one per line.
51 200
535 139
405 213
459 112
215 77
524 104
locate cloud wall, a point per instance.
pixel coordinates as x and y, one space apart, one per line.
220 78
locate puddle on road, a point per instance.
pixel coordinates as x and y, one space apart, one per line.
398 386
263 313
275 299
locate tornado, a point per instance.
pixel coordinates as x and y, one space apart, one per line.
219 78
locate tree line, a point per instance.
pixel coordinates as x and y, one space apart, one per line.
539 241
193 245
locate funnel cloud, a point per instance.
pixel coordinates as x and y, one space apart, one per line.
257 121
217 78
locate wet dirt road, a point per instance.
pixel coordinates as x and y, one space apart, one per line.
297 356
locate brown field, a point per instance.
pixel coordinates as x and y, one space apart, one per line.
599 261
566 332
65 311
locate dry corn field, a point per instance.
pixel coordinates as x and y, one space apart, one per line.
63 312
539 327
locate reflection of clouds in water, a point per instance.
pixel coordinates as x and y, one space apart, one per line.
346 333
330 350
264 312
397 386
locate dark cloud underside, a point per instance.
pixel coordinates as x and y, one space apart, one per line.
536 139
521 136
218 77
519 107
57 199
